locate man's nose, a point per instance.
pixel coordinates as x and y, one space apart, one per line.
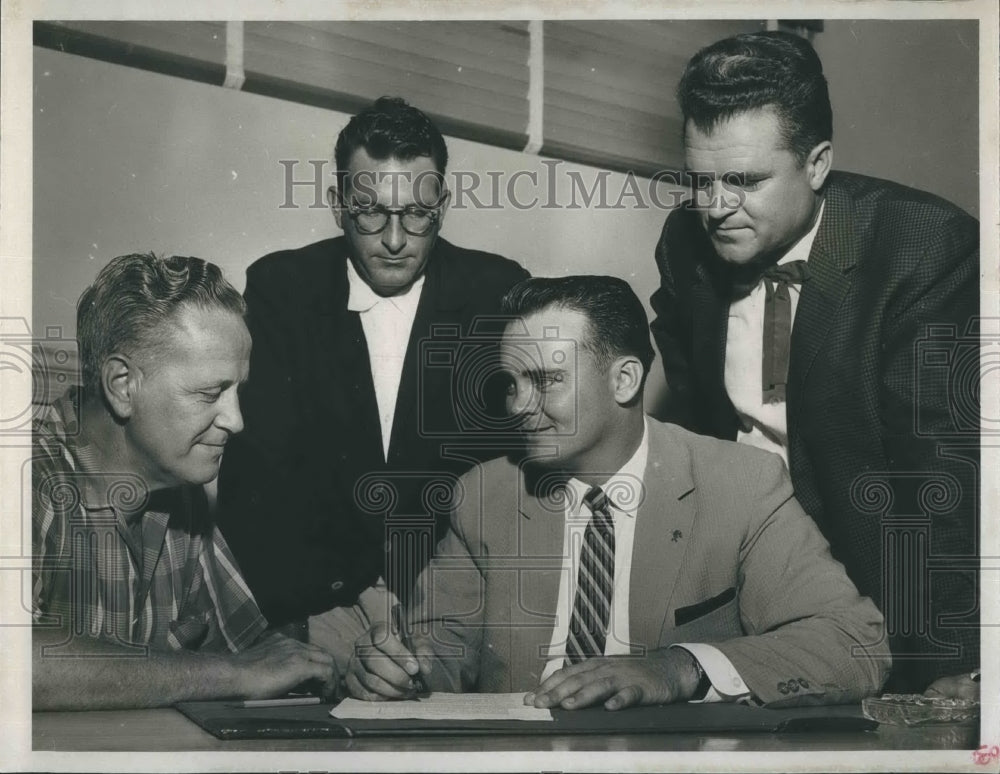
393 236
720 202
230 418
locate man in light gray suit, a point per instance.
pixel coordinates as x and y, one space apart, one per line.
622 561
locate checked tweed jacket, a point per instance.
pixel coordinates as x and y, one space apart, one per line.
882 405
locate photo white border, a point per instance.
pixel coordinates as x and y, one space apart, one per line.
15 301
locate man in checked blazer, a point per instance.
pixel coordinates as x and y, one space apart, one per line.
718 587
872 399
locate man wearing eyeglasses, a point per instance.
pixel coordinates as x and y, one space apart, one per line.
357 391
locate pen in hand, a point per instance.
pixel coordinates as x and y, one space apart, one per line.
398 627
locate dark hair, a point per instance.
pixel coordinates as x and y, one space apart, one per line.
134 296
616 317
390 128
758 70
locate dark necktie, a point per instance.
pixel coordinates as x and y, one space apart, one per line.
778 327
588 625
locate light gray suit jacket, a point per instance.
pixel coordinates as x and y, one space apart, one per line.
723 554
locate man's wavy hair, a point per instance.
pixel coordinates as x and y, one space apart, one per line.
758 70
134 299
390 129
616 317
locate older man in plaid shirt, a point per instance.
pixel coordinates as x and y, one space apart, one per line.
137 600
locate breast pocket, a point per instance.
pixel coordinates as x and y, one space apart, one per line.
189 633
710 620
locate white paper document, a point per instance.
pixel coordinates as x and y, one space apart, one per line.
443 706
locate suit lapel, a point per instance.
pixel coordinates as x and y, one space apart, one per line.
710 327
344 370
715 414
708 303
438 304
831 263
662 533
540 540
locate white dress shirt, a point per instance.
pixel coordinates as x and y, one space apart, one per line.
764 425
387 322
623 491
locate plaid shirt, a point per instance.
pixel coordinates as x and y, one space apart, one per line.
105 565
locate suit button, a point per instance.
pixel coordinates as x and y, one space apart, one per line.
336 586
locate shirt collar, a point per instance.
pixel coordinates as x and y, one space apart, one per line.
362 298
97 490
624 489
801 249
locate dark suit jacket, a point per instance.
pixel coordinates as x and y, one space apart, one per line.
882 407
724 558
306 499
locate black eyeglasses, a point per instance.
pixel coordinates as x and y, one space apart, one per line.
417 221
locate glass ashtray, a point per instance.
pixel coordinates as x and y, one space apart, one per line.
912 709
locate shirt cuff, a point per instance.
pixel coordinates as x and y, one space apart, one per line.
727 685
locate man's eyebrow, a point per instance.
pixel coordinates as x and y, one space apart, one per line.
225 384
541 372
748 174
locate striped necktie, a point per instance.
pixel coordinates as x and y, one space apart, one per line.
588 626
778 327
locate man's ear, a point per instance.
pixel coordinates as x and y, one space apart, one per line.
626 373
333 201
819 163
445 201
118 383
